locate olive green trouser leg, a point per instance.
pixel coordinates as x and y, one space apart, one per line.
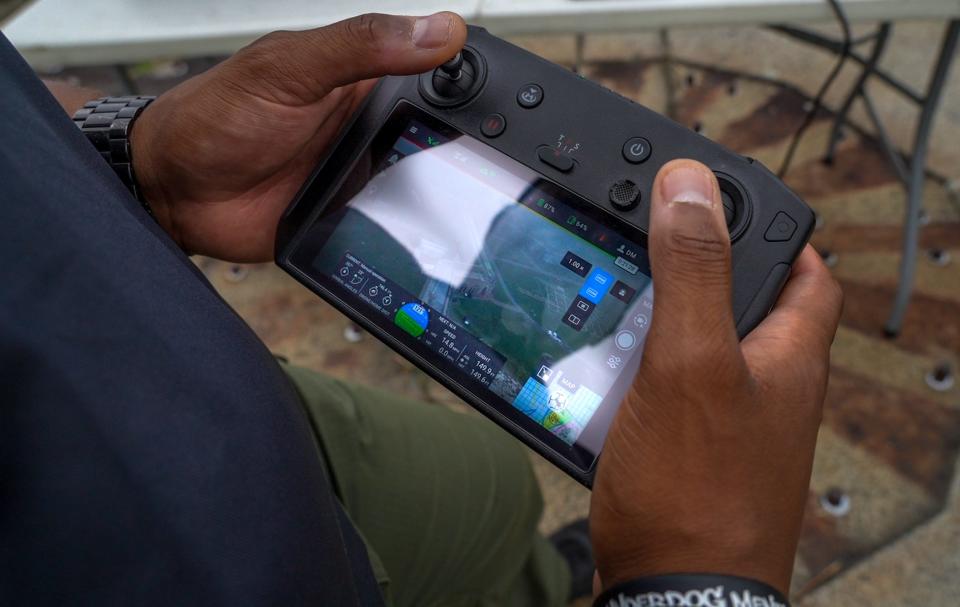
447 503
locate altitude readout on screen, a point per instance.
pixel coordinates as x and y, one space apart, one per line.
456 345
433 330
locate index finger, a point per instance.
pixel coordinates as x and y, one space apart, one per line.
808 307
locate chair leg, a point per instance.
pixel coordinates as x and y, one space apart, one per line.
918 165
580 42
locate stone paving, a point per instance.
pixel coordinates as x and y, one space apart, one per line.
889 444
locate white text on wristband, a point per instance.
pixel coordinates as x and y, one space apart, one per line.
716 596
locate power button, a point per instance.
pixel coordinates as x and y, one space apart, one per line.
636 150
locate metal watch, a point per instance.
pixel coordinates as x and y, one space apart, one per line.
107 123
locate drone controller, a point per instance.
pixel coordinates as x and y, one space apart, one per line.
488 220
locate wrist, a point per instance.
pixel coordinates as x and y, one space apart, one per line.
723 549
726 534
700 589
611 577
147 149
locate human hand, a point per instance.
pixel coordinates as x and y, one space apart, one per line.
219 157
707 465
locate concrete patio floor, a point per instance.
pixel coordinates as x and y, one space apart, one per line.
889 443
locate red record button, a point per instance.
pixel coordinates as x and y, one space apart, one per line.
493 125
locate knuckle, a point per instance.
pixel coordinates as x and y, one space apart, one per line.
831 288
821 333
702 259
706 248
272 69
262 57
698 363
836 294
701 354
363 30
269 44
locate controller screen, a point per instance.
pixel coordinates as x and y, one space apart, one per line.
518 290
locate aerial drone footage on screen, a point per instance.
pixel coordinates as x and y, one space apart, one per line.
495 271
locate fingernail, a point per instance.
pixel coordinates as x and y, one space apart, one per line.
433 31
687 184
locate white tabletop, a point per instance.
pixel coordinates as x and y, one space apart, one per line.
522 16
73 32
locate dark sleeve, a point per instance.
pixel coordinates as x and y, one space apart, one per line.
151 450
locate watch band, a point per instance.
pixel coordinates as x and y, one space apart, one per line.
692 590
107 123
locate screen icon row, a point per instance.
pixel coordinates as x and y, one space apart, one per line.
578 313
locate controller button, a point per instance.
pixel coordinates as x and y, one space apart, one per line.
555 158
736 205
493 125
781 229
530 95
729 208
624 195
636 150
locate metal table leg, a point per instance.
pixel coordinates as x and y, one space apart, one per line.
893 155
913 174
879 45
835 47
918 166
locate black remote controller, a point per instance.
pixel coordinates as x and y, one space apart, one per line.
488 221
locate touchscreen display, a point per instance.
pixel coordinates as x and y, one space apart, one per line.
522 293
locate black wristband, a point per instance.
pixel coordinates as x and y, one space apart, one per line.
107 123
692 590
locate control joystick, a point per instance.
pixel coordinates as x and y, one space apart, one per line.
452 69
453 79
456 81
737 210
